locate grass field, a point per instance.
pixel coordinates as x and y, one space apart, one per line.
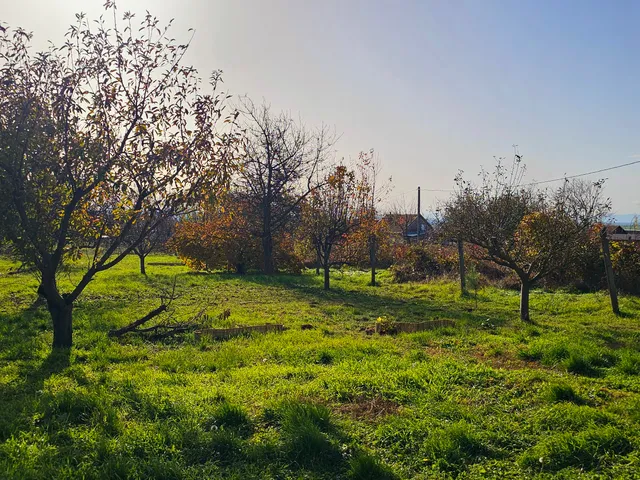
490 398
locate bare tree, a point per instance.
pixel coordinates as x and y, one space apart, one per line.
280 166
94 133
373 192
153 241
532 232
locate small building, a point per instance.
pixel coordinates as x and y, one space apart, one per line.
618 234
404 227
615 230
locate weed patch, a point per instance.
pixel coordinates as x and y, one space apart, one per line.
230 417
587 450
366 467
563 393
455 447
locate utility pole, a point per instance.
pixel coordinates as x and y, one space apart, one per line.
418 221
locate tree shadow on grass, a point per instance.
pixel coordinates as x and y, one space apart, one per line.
21 346
18 397
19 331
367 302
374 303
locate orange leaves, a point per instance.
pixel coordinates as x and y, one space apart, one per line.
221 239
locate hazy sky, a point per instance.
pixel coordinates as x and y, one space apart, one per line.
433 87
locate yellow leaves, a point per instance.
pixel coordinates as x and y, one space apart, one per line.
141 129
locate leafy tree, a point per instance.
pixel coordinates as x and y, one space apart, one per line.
372 193
367 237
625 258
356 247
531 232
218 237
280 165
107 131
331 212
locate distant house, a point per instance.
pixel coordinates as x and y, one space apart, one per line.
404 227
615 230
617 233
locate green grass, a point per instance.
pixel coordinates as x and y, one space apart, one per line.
488 398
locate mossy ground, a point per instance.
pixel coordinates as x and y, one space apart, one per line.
490 398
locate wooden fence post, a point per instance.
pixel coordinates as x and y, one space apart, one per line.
611 282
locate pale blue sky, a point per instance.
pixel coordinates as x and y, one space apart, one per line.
433 86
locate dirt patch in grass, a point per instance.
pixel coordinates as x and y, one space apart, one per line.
615 344
369 409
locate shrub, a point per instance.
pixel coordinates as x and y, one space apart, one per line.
421 261
626 265
415 263
587 449
385 326
586 272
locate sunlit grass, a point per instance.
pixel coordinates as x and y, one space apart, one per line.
486 398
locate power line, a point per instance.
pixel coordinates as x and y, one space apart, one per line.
566 177
413 190
582 174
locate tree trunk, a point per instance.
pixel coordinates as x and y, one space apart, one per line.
267 237
143 270
267 252
326 276
524 299
62 324
61 312
372 259
463 280
325 254
318 263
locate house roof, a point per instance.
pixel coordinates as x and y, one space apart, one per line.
615 229
403 217
406 223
